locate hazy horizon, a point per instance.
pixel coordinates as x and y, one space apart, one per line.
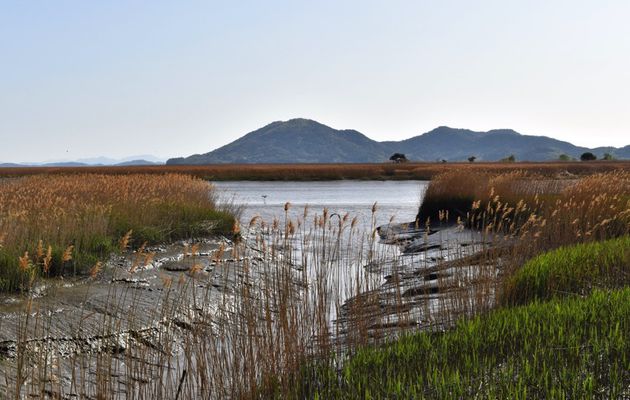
106 159
170 79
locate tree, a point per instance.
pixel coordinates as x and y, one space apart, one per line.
588 156
511 158
472 159
608 157
398 158
564 157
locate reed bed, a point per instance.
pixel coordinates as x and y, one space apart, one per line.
453 194
593 208
542 213
294 313
525 215
59 224
315 172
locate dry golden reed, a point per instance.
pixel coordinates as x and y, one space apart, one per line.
61 223
301 172
527 214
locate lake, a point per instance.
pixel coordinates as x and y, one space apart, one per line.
397 199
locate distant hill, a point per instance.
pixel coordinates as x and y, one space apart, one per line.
294 141
64 164
131 160
459 144
307 141
88 162
136 162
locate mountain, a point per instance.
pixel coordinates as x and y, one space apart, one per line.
64 164
136 162
142 159
459 144
294 141
307 141
91 162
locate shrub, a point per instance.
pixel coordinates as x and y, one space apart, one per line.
608 157
565 157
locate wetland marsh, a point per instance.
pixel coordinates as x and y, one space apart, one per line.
316 284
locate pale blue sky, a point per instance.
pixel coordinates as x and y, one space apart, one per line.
86 78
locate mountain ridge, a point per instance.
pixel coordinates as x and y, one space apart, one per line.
303 140
138 160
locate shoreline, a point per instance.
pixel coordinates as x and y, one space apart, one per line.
332 172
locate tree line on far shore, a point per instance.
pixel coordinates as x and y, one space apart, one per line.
587 156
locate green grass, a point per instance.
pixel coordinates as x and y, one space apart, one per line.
568 338
573 269
564 348
173 221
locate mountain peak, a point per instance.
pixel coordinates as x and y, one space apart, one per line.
443 129
294 125
504 132
301 121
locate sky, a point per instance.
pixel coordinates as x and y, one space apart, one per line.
173 78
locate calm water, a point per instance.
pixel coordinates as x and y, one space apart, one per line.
397 199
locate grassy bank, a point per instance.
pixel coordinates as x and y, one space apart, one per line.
315 172
59 224
572 348
571 270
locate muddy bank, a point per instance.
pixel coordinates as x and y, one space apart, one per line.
437 276
132 305
187 318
